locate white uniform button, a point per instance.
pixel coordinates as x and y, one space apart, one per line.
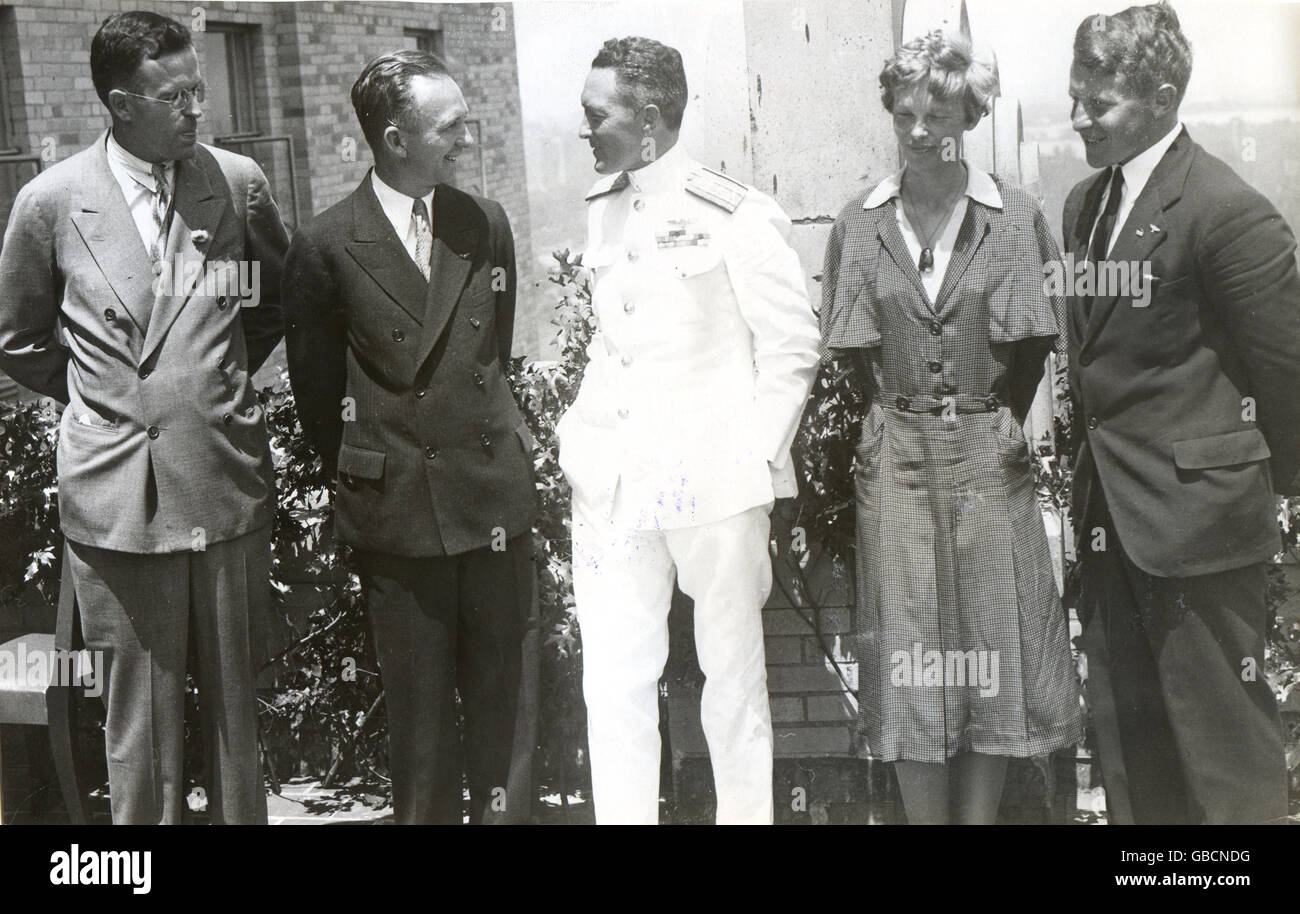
628 307
638 204
622 413
632 256
627 360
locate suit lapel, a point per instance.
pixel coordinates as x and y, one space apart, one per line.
377 250
969 237
195 209
109 233
1146 227
455 239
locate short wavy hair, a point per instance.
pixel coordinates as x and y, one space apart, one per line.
648 73
1144 45
949 69
125 41
382 93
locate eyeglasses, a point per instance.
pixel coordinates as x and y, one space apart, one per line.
178 100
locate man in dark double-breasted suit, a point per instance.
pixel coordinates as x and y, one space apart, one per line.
1185 365
400 307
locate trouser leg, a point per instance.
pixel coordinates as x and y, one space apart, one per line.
411 603
134 608
229 593
622 584
725 568
495 603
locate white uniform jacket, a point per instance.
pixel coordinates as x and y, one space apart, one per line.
705 352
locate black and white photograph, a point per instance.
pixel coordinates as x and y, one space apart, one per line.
642 412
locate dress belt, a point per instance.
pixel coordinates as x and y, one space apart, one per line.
924 403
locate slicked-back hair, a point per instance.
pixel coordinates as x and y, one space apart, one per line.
126 40
1144 45
382 93
647 73
948 68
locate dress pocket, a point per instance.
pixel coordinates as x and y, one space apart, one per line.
1013 447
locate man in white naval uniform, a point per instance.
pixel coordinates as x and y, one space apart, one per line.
679 439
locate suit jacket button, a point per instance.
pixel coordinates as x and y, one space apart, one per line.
1085 359
221 303
110 315
431 452
420 393
398 335
1093 422
478 379
474 322
144 372
152 431
487 442
227 419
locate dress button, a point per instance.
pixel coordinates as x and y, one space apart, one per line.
936 328
990 403
902 402
110 315
628 307
152 431
227 419
638 204
431 452
936 367
487 442
632 256
1093 422
144 372
420 393
398 335
474 322
622 413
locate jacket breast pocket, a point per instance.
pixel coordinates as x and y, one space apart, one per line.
1229 449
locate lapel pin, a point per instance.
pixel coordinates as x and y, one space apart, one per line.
1139 233
199 237
1155 228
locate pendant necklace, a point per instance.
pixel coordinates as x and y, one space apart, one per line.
925 263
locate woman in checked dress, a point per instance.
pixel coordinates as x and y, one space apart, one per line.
934 290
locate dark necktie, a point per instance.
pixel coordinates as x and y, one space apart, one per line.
1106 225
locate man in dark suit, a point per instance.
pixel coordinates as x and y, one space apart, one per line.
1185 382
139 284
400 304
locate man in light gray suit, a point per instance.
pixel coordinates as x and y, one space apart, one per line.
138 284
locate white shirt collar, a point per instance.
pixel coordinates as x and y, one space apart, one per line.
1137 170
397 205
140 170
979 187
664 173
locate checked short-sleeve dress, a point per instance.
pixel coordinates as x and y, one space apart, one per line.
962 643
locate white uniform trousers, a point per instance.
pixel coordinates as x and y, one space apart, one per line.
623 586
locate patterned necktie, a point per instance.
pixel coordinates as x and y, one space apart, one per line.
159 207
423 237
